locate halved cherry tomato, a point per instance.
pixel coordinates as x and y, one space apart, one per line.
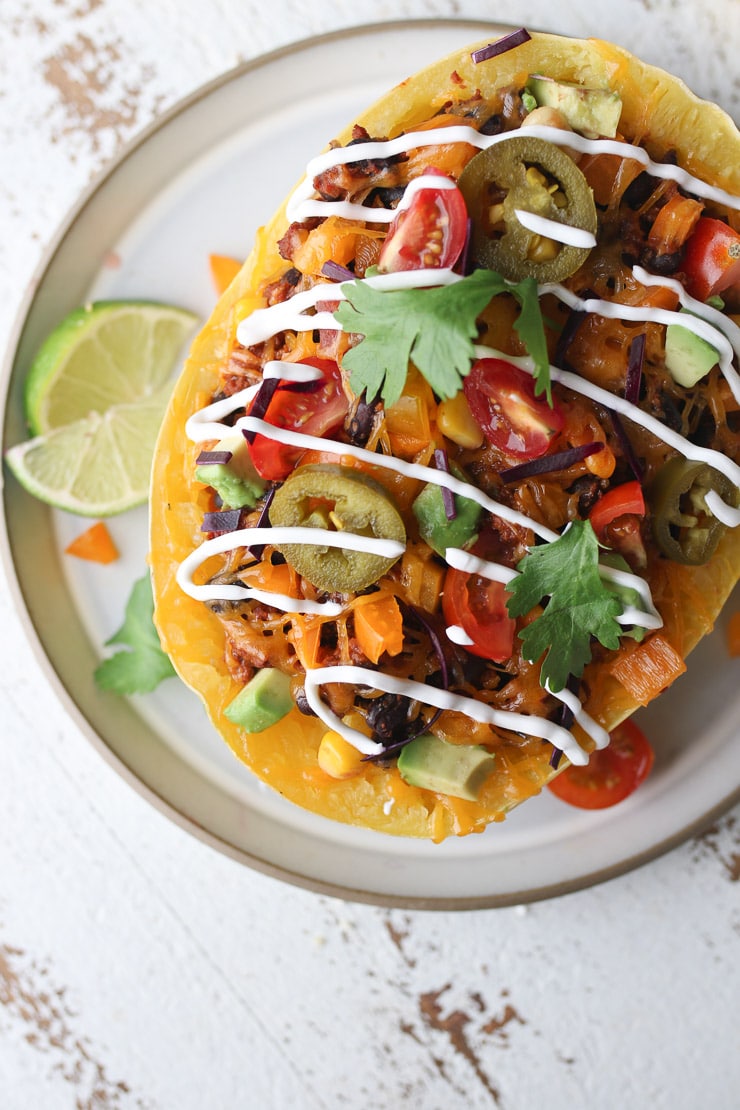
314 411
611 774
711 260
429 234
501 397
478 606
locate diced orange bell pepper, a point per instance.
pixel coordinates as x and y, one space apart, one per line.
223 270
378 625
305 634
674 223
422 577
336 240
279 579
609 176
95 544
648 669
408 421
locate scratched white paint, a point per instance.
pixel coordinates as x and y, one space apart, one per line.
138 968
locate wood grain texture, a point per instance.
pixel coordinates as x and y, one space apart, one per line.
139 968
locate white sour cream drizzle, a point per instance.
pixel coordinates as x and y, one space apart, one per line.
291 315
445 699
649 617
303 204
205 423
645 313
618 404
561 233
282 318
400 466
425 181
458 635
722 323
245 537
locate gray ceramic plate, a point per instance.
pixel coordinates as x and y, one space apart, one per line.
187 188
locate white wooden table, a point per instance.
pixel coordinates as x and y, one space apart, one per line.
138 967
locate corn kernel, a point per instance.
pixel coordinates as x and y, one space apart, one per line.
602 464
542 249
535 177
430 590
496 214
338 758
456 421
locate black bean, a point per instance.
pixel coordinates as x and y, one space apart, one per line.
360 422
387 716
299 693
494 125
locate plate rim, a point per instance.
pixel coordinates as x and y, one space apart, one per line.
70 705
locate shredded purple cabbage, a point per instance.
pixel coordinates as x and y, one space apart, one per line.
565 718
627 449
546 464
263 521
508 42
448 498
566 337
213 458
225 520
335 272
436 644
634 369
302 387
462 266
261 402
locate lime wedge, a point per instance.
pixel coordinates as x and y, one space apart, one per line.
97 466
95 396
106 354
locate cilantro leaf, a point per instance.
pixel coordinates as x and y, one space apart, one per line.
532 333
433 327
580 606
142 669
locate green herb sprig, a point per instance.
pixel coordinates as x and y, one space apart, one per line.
579 605
141 669
435 328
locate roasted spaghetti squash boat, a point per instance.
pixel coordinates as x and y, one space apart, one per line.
449 485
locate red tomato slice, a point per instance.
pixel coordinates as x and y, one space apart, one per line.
315 412
616 521
711 260
478 606
627 498
611 775
429 234
501 397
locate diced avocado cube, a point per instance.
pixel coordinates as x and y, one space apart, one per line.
688 357
592 112
436 529
264 701
236 482
456 769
